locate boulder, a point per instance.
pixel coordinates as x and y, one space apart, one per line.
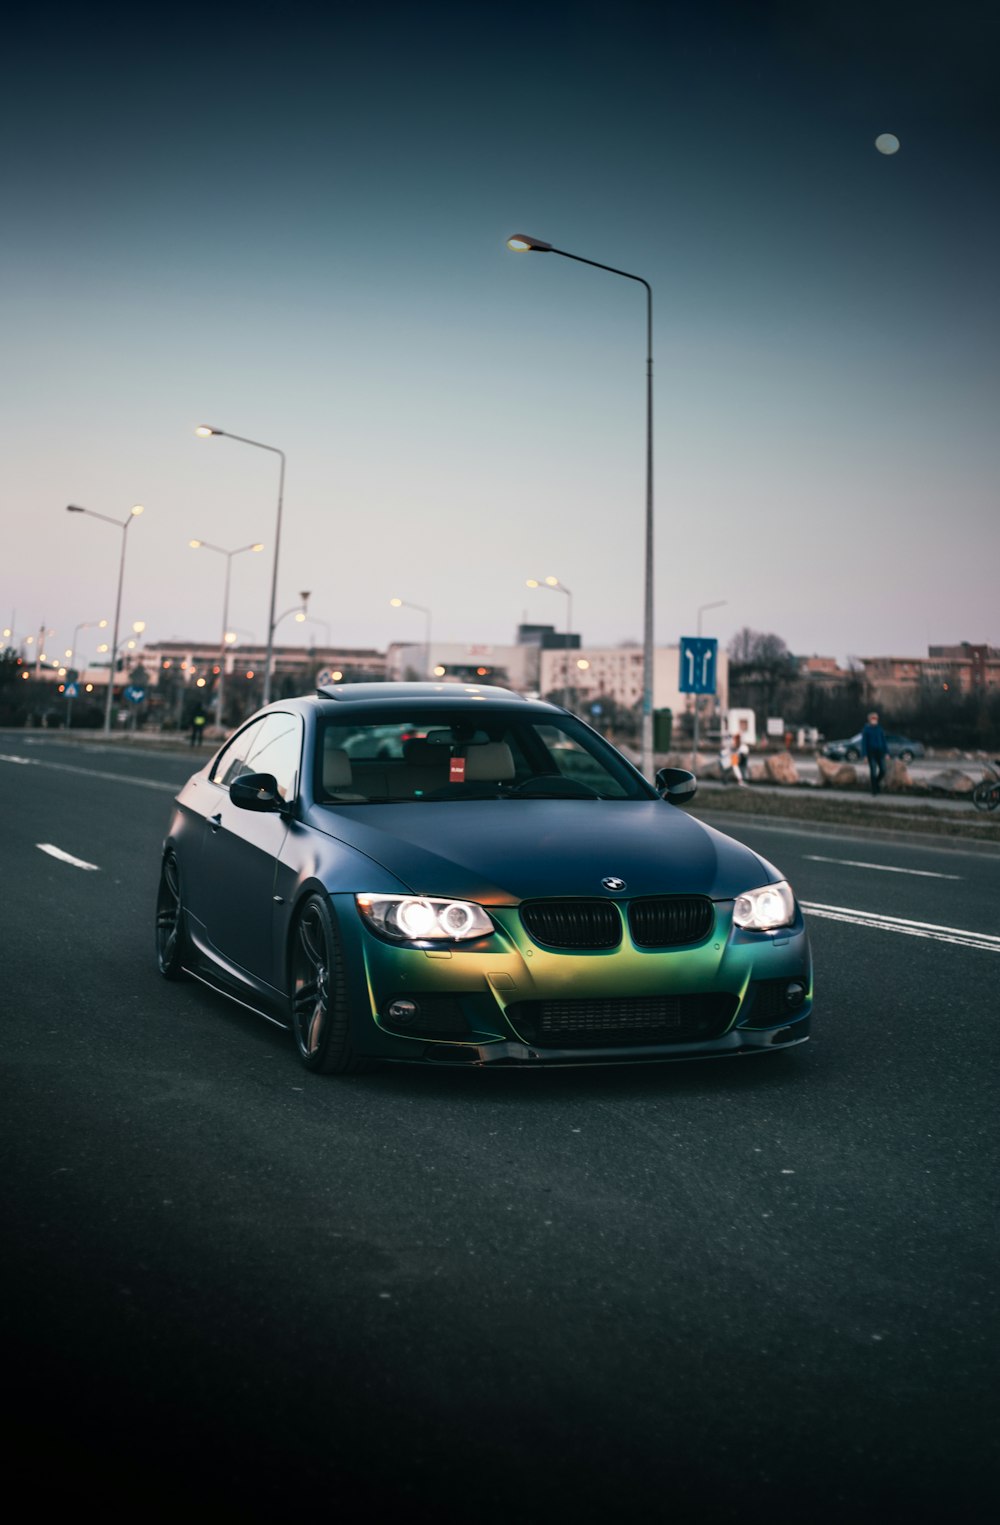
781 769
951 781
897 776
835 775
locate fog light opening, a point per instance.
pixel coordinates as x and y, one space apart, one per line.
795 994
404 1013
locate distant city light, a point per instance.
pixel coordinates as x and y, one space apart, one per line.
887 143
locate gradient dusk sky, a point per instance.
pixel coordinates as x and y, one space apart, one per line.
291 225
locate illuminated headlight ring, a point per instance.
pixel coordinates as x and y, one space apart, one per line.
419 918
765 909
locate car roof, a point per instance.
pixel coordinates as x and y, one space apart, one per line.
378 693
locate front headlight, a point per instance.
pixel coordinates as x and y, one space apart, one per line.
766 909
417 918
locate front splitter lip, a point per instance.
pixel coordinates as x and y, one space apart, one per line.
524 1056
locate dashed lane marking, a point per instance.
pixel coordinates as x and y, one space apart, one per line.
883 868
57 852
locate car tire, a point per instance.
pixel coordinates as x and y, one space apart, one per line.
171 933
986 795
852 754
907 756
317 996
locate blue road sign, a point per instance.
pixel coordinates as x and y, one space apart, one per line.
699 656
70 691
135 695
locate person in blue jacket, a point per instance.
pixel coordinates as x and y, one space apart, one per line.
875 747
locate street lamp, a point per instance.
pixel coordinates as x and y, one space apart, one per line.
715 604
523 242
557 587
206 545
133 513
402 603
205 432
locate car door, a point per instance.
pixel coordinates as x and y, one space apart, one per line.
241 848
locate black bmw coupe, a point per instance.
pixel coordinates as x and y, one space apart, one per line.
455 874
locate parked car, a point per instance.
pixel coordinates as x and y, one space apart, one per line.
850 749
506 889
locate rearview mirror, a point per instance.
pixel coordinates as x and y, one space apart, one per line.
676 785
256 791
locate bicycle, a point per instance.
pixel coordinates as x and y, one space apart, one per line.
986 794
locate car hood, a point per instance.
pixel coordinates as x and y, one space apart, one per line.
503 851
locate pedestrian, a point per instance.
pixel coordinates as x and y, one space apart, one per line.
743 754
198 722
725 755
875 747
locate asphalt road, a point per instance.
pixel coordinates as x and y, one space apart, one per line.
750 1289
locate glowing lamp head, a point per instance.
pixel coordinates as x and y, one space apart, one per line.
195 545
258 547
522 242
203 431
397 603
136 510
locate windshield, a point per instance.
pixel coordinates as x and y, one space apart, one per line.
446 755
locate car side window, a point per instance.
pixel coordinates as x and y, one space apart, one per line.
231 761
276 749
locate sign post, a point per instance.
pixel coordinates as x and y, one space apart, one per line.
699 660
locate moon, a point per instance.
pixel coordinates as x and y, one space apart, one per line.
887 143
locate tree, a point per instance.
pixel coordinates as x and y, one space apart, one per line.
761 667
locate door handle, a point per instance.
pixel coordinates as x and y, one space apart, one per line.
215 821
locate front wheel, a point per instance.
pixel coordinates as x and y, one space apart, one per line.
852 754
171 937
907 757
986 796
320 1018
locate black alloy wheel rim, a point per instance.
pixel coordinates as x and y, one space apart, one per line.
168 911
311 989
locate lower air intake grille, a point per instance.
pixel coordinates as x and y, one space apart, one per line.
573 923
666 921
621 1021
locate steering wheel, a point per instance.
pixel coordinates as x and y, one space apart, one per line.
552 786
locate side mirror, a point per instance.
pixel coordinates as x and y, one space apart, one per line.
676 785
256 791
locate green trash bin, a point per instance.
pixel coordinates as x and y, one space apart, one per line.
663 727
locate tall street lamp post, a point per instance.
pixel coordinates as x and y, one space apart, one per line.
204 431
206 545
134 512
522 242
402 603
716 604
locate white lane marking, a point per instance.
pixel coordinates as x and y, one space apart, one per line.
928 929
883 868
114 778
57 852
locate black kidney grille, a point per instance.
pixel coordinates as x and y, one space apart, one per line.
622 1021
667 921
573 923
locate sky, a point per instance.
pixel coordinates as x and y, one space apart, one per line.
292 227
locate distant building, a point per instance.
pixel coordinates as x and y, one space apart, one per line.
963 669
616 672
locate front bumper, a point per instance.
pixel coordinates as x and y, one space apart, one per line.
505 1000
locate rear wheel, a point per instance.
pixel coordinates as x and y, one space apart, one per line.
320 1017
171 937
852 754
986 796
907 756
